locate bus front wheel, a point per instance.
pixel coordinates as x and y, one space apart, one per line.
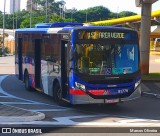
57 94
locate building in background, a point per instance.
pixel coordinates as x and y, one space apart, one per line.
14 6
34 5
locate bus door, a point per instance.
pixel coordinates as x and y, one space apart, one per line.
20 58
37 61
65 49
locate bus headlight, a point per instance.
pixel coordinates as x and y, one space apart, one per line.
80 86
137 84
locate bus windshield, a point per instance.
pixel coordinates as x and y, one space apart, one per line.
106 59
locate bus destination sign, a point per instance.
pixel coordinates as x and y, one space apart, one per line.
100 35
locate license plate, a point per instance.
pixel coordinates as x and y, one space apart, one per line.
112 101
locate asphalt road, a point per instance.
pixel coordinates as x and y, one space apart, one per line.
142 112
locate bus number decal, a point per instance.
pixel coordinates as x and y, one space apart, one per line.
121 91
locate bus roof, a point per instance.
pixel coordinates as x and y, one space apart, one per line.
57 24
47 28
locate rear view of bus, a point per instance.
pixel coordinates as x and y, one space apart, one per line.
105 64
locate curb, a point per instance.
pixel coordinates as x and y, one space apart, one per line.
30 116
10 113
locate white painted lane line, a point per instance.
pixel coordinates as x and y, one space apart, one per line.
42 110
136 120
5 97
30 101
19 103
1 79
68 120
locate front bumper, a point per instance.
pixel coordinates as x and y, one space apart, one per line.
86 99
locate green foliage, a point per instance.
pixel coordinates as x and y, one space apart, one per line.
6 51
52 7
92 14
151 77
58 19
126 13
21 19
35 20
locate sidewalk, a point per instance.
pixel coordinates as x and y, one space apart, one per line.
10 113
13 114
156 53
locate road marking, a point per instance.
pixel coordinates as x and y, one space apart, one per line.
4 97
136 120
66 121
19 103
42 110
127 121
19 98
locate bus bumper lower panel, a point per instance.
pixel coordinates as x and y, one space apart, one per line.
85 99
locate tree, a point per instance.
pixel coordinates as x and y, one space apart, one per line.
49 8
98 13
56 18
92 14
69 13
1 19
21 19
35 20
126 13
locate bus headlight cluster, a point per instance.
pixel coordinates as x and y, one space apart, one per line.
137 84
80 86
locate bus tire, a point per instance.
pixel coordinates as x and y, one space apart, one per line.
57 94
26 81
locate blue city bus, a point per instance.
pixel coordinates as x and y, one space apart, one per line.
79 64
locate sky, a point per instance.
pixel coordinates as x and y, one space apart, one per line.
112 5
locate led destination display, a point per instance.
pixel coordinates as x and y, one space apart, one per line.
100 35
